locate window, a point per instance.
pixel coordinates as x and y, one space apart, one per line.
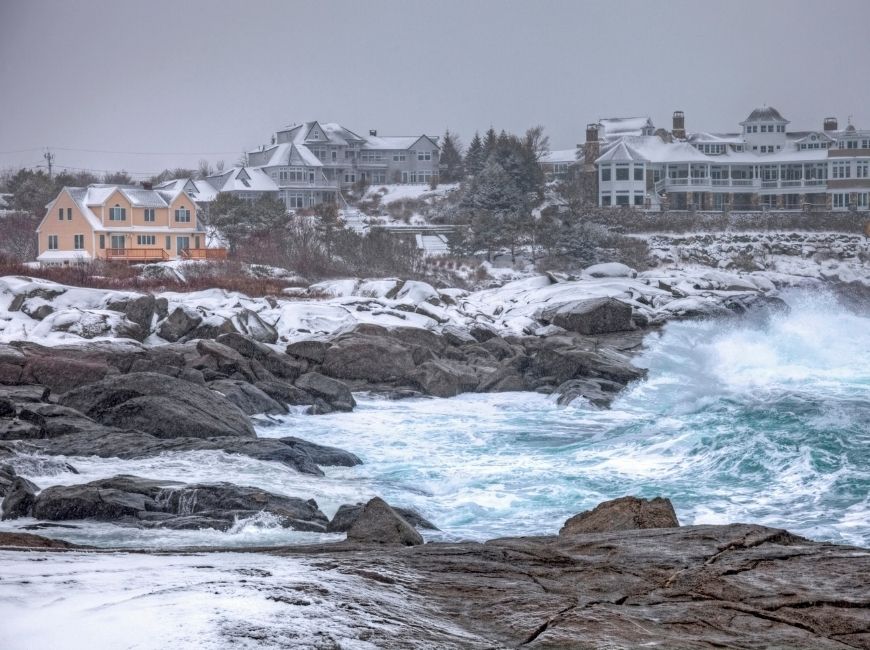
78 242
863 200
168 243
102 242
841 200
334 156
764 128
118 241
69 214
841 169
622 172
424 155
182 244
379 177
622 198
60 214
605 173
638 173
862 169
52 242
146 240
638 199
399 157
182 215
149 214
605 199
117 213
294 200
350 178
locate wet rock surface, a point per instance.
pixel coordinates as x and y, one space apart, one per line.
154 503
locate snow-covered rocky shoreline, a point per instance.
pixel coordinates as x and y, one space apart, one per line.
45 312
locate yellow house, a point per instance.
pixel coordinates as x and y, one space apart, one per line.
115 222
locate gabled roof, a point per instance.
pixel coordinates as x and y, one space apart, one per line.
396 142
243 179
765 114
809 136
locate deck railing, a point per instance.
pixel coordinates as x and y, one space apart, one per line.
136 254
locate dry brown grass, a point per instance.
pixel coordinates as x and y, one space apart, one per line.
230 276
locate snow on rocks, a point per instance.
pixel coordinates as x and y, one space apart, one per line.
51 313
610 270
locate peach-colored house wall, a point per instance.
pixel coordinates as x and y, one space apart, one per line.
164 220
65 229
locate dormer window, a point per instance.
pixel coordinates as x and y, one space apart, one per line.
182 215
117 213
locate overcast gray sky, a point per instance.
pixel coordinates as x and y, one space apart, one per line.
208 79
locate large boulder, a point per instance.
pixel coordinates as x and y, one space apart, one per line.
372 358
309 350
113 443
250 324
19 499
169 504
247 397
331 391
378 523
99 500
347 514
322 454
179 323
625 513
138 309
591 316
163 406
443 378
61 373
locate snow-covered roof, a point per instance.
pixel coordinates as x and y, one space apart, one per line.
653 149
765 114
200 191
243 179
702 137
560 156
62 256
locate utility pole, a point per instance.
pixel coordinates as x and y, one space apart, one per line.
49 158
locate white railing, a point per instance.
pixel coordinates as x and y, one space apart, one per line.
758 183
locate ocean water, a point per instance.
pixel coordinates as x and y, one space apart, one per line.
749 421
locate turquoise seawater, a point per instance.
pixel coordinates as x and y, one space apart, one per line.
765 422
738 421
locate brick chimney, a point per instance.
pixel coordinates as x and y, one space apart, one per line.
591 150
830 124
373 133
679 126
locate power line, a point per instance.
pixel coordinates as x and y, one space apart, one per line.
133 153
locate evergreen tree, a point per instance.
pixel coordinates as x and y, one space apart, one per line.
32 191
490 141
240 221
450 167
474 156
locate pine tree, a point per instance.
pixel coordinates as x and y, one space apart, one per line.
490 141
474 156
450 169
